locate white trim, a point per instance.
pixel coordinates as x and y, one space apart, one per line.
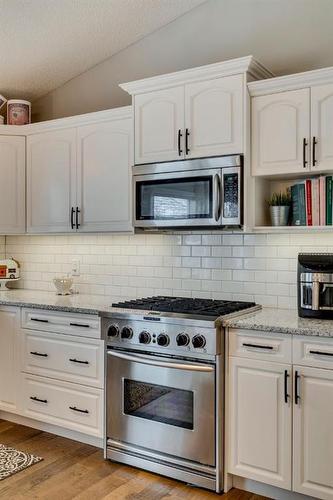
291 82
68 122
266 490
52 429
217 70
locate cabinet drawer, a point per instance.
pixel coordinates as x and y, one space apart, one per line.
313 351
83 325
62 357
61 403
260 345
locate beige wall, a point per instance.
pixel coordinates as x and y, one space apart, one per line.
214 31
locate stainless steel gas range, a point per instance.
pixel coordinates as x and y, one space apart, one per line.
165 386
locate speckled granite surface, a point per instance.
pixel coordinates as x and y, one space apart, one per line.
283 321
88 304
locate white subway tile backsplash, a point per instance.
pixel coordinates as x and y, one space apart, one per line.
223 266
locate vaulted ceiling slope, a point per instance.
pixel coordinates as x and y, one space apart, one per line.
44 43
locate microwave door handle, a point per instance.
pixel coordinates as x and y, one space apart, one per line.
217 197
161 364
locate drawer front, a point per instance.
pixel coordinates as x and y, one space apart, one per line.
83 325
313 351
72 359
68 405
260 345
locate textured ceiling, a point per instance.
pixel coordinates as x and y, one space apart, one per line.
44 43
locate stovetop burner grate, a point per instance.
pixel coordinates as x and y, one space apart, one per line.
183 305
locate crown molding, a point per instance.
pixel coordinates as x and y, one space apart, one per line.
291 82
70 121
231 67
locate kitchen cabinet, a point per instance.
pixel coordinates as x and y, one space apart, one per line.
322 127
260 416
51 180
12 186
78 178
313 434
9 383
104 176
159 121
281 133
214 117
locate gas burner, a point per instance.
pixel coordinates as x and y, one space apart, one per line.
182 305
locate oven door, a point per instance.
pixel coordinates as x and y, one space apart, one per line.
187 198
162 405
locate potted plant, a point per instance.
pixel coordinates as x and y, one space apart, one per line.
279 206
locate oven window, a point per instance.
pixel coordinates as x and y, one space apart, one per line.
158 403
172 199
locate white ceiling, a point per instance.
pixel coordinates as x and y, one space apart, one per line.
44 43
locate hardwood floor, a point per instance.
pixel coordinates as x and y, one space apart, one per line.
72 470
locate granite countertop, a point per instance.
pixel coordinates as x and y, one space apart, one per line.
282 321
78 303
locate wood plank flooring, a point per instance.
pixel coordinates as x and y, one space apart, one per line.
72 470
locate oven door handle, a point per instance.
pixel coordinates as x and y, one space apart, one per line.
162 364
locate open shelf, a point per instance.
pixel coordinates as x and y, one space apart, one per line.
292 229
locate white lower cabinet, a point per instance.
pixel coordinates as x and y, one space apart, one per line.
260 421
9 363
313 433
281 415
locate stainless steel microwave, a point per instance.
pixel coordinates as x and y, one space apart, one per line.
201 192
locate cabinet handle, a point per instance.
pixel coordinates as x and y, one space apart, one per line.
78 211
74 360
39 320
42 354
297 396
187 134
34 398
314 143
286 395
72 217
305 143
321 353
83 325
78 409
180 135
256 346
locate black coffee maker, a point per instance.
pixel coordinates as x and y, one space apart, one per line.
315 285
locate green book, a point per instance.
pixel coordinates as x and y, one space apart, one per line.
298 205
328 200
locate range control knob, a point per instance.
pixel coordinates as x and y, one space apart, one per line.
144 337
183 339
198 341
126 332
113 331
163 340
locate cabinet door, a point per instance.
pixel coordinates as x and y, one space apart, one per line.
104 163
280 125
12 185
9 327
214 117
51 180
313 433
159 116
322 127
260 421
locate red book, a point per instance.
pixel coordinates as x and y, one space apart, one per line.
308 202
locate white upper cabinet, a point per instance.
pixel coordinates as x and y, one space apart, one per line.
280 133
322 127
51 171
195 113
103 176
12 185
313 436
159 121
214 117
260 421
